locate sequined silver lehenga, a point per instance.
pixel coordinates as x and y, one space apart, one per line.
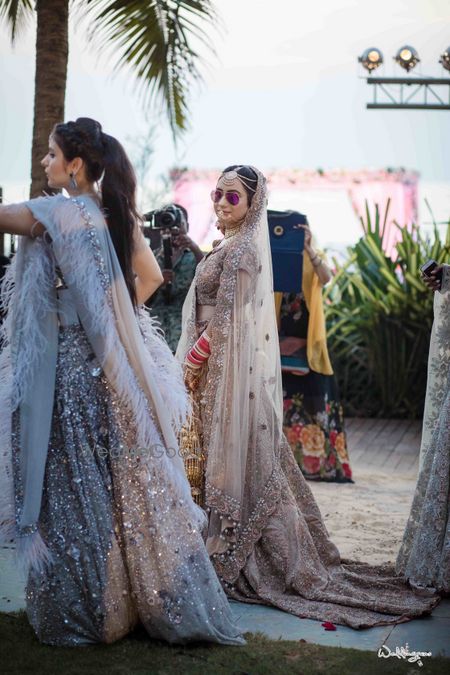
67 603
118 558
122 534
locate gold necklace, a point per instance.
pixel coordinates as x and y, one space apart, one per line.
231 231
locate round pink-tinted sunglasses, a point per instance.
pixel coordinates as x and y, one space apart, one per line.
233 198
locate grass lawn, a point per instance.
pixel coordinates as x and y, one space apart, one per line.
21 653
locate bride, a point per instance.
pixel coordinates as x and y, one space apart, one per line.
92 487
265 533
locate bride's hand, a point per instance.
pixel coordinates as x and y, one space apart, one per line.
191 377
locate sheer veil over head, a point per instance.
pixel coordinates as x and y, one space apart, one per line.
243 393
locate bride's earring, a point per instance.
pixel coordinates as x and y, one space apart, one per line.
73 183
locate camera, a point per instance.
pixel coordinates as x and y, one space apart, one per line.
428 267
166 218
164 224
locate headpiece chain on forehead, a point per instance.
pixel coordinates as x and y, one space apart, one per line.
229 176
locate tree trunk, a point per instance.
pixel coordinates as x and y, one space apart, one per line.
52 53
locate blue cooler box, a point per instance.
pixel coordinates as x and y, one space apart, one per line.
286 243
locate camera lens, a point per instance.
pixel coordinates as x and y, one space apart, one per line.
168 218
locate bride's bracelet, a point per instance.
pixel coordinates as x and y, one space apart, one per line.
199 353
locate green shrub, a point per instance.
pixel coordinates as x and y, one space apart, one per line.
379 316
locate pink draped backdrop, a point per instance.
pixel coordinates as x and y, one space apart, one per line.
192 189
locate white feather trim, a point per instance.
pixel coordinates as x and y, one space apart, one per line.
7 510
26 302
168 371
32 553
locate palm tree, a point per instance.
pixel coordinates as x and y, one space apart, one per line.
152 36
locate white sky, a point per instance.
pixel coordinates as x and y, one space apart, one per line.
283 92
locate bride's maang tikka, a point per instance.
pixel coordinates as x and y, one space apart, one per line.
229 176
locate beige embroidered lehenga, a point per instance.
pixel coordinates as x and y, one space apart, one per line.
266 535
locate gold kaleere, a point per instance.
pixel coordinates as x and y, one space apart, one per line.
191 450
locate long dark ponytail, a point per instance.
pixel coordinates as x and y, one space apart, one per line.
106 161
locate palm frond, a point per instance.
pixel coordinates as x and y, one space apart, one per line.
16 13
156 39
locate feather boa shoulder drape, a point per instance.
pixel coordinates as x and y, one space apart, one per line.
134 357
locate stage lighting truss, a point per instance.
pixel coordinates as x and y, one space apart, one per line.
407 92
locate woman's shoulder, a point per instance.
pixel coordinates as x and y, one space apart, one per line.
53 204
245 253
46 202
63 215
46 209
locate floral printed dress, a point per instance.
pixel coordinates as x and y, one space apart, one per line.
313 416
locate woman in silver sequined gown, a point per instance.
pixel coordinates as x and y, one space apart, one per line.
92 487
424 557
265 535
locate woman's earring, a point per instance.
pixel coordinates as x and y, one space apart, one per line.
73 183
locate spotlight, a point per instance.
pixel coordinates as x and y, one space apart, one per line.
407 57
445 59
371 59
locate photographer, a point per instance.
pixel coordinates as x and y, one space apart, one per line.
178 268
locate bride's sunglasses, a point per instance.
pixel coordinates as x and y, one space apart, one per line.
232 198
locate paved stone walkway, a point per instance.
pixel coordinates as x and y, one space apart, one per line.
430 634
378 449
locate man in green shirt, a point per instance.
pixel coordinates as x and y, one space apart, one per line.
185 257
